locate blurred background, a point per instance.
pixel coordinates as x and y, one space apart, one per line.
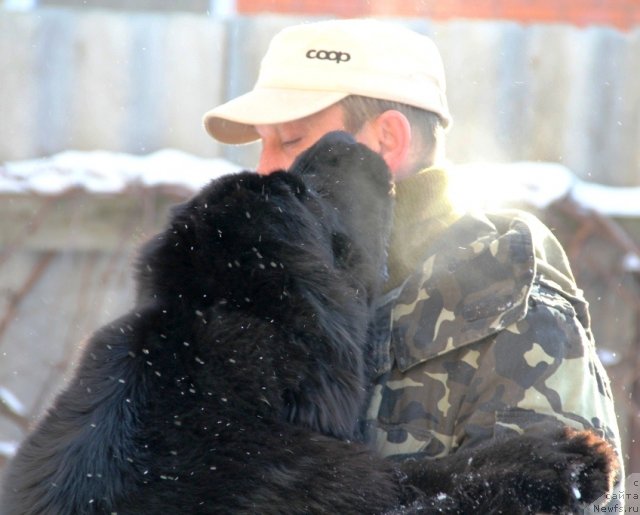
100 131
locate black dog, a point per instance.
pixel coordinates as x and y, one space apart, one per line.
235 384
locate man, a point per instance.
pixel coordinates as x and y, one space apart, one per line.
482 330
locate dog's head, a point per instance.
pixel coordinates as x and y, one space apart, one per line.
333 206
355 184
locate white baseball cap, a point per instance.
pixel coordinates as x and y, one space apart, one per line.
309 67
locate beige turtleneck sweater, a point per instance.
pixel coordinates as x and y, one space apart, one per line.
423 210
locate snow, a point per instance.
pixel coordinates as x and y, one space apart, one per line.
631 262
19 5
608 357
11 402
8 448
475 185
618 202
539 184
491 184
10 405
576 492
110 172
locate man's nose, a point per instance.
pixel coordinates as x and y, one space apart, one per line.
271 161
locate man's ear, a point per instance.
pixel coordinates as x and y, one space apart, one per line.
393 134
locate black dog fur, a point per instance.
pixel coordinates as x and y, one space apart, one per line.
235 384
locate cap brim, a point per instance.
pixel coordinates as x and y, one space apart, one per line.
234 122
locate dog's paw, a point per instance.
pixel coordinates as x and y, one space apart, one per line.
588 464
556 471
566 471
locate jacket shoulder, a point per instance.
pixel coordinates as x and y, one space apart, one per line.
475 281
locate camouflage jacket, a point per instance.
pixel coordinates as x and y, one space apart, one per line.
488 335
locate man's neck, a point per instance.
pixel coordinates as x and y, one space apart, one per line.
422 212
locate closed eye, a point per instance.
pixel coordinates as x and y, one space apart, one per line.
291 142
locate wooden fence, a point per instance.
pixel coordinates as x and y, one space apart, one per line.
137 82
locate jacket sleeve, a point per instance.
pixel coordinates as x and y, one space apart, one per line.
541 370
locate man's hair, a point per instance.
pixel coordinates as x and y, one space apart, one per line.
426 126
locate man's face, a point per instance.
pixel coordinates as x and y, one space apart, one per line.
282 142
